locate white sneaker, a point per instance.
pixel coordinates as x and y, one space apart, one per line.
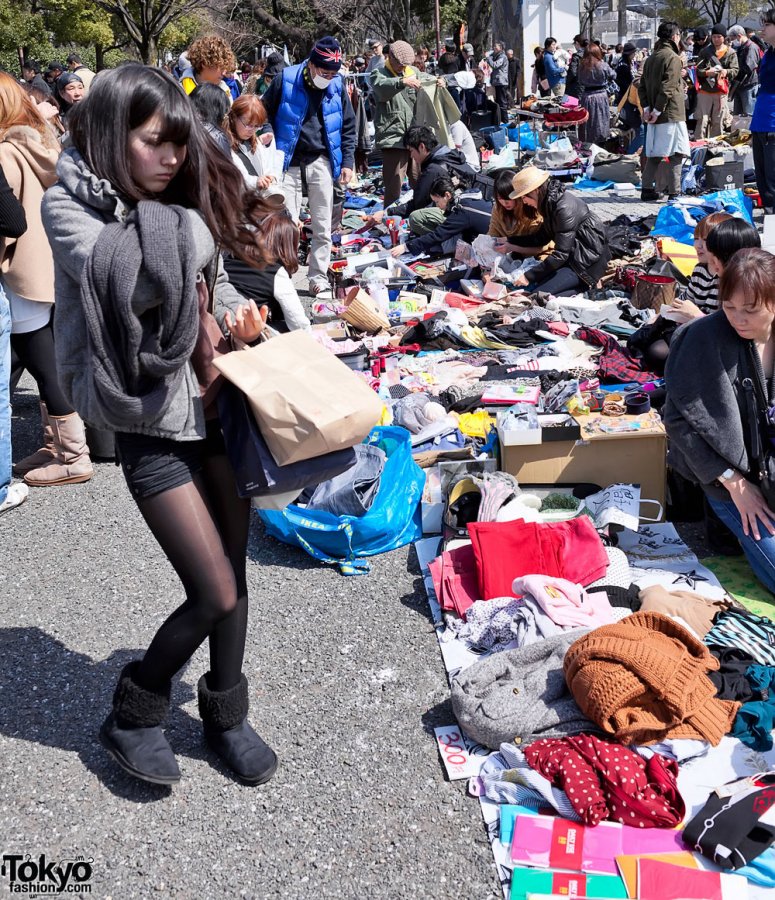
17 494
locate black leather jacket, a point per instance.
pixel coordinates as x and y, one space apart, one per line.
578 235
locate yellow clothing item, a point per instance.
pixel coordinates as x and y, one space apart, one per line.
188 85
476 424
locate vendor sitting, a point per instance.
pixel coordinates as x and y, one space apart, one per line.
519 228
466 217
713 367
580 255
432 159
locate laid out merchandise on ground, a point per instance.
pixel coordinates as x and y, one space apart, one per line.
614 702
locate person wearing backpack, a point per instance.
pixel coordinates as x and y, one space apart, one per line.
434 160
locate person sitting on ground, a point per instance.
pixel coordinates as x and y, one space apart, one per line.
464 142
210 57
271 285
212 105
432 159
723 237
518 227
714 373
466 215
702 289
580 254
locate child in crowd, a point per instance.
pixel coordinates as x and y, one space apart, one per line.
716 238
272 286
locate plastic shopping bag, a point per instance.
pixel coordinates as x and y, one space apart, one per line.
393 520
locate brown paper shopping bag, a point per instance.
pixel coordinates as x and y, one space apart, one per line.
306 401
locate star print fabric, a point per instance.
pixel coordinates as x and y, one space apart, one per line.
605 781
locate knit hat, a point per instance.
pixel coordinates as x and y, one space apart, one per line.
65 78
629 47
327 54
527 180
719 29
402 53
645 679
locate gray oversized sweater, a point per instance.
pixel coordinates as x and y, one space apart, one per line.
705 412
75 210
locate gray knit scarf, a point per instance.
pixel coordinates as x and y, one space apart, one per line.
141 331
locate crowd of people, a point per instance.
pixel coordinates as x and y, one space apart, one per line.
139 201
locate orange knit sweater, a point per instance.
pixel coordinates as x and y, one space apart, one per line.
644 679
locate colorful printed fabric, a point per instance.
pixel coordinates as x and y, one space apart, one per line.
740 628
616 363
604 780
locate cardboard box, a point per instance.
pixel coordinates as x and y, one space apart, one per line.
561 427
637 458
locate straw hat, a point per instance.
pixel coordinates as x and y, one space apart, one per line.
527 180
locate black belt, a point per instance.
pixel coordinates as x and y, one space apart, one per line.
597 90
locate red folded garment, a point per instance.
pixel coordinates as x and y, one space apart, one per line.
508 550
455 579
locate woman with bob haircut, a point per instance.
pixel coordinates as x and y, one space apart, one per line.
245 117
717 366
142 200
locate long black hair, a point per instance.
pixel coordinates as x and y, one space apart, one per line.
123 99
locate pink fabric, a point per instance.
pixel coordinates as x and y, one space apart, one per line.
567 604
454 580
508 550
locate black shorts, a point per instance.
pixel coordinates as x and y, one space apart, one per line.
153 464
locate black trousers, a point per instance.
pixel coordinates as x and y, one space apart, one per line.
764 166
502 99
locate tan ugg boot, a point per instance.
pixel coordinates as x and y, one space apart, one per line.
70 463
45 454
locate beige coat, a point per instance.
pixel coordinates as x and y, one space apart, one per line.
29 164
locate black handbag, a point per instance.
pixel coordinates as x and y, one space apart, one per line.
761 433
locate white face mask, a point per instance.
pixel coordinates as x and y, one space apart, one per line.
320 82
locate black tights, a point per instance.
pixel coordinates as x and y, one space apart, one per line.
34 351
202 527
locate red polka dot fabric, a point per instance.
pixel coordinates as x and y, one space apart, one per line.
606 781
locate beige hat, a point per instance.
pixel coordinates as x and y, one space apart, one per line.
402 52
527 180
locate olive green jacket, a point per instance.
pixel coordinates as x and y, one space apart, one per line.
661 86
394 107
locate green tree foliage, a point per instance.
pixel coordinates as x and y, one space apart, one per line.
686 13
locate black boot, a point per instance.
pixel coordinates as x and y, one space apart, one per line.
229 734
132 732
648 195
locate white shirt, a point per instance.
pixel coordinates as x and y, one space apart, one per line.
463 141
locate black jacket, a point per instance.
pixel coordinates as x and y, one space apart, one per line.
466 220
578 235
433 167
13 221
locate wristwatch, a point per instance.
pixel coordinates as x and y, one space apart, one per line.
726 475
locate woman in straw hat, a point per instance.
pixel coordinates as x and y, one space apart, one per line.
580 255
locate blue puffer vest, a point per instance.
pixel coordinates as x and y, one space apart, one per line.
293 107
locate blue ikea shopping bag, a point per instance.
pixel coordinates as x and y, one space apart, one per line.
393 520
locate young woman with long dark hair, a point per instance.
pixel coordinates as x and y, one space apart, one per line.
143 199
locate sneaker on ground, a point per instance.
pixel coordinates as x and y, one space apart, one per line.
17 494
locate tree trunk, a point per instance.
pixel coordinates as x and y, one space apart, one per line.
99 53
478 14
149 50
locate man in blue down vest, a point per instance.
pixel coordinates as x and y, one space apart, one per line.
314 126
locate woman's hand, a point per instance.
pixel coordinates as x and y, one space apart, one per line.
248 323
266 138
687 308
751 505
502 245
374 218
264 181
519 281
399 250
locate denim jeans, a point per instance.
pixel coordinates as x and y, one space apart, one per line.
760 554
742 102
5 395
